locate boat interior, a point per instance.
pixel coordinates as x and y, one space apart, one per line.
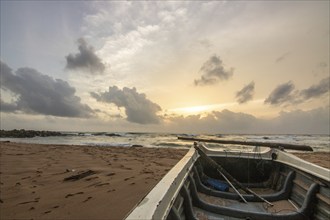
286 192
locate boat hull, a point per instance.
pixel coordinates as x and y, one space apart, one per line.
296 189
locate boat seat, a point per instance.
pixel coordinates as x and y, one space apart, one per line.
254 211
282 194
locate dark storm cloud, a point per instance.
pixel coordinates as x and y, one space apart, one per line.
39 93
281 94
7 107
317 90
85 59
138 108
212 72
245 94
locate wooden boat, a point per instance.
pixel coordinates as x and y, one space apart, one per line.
264 183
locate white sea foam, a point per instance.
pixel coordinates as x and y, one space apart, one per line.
317 142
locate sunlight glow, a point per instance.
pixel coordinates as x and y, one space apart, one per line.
193 110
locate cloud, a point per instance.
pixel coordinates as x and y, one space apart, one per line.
282 57
315 121
238 122
318 90
245 94
7 107
285 93
213 71
138 108
224 121
85 59
281 94
39 93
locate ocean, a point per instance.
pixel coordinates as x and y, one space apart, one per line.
319 143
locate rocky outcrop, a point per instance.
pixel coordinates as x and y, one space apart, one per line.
28 133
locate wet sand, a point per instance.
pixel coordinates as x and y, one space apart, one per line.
36 184
33 186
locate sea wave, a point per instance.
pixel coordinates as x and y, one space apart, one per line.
320 143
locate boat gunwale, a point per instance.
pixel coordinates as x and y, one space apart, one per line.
281 157
156 204
303 165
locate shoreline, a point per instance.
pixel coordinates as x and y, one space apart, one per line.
43 181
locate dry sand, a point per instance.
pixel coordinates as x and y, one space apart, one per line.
320 158
33 187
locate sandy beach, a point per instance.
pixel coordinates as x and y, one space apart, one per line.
320 158
33 186
48 182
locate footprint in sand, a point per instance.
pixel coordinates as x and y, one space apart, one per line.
128 178
28 177
126 168
88 199
111 174
69 195
33 201
147 171
102 184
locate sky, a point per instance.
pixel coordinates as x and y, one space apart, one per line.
176 66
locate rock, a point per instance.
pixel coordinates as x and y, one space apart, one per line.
27 133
